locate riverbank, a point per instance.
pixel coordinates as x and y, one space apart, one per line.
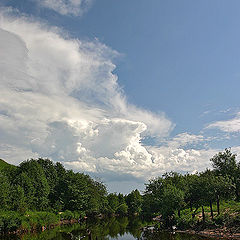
225 224
16 223
220 233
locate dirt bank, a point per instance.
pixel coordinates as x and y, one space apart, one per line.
221 233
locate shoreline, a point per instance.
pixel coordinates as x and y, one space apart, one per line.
43 228
222 233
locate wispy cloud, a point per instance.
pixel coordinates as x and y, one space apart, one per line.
66 7
230 126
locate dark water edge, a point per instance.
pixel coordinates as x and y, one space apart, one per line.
103 229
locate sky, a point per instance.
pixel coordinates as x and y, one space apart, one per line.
121 90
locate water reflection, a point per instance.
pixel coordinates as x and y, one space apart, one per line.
112 228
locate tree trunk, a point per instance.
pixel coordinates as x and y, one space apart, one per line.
194 213
211 209
237 194
218 205
203 214
179 213
191 206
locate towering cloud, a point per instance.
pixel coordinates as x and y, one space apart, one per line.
60 99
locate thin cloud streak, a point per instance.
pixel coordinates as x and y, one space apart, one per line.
230 126
66 7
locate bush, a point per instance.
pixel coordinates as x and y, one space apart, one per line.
67 215
9 221
38 219
78 214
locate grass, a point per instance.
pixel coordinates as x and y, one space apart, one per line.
11 221
229 216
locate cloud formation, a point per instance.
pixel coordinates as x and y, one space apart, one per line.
60 99
230 126
66 7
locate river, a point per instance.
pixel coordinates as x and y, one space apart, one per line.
102 229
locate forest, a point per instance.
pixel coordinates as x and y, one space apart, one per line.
40 193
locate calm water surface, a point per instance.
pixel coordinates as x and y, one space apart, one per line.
113 228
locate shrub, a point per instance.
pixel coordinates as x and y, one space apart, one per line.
9 221
67 215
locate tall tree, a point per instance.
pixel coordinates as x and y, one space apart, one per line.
32 176
134 202
225 164
5 192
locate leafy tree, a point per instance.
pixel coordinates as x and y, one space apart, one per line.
5 191
35 177
216 188
121 198
225 164
172 200
152 196
113 202
164 196
77 195
122 209
51 176
61 188
18 201
134 202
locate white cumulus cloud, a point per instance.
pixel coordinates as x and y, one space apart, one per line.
60 99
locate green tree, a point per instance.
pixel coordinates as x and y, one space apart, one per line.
5 192
32 175
225 164
216 188
77 194
51 176
122 209
134 202
172 199
113 202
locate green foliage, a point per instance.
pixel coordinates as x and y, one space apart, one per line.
122 209
9 221
37 188
186 221
170 194
113 202
134 202
67 215
39 219
226 165
5 191
42 187
4 165
172 199
35 184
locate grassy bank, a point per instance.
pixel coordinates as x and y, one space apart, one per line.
14 222
229 217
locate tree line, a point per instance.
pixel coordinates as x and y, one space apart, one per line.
41 185
171 193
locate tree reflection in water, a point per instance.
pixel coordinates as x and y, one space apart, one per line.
103 229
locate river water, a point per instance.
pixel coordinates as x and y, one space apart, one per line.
111 229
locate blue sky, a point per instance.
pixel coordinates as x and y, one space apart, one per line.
152 86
